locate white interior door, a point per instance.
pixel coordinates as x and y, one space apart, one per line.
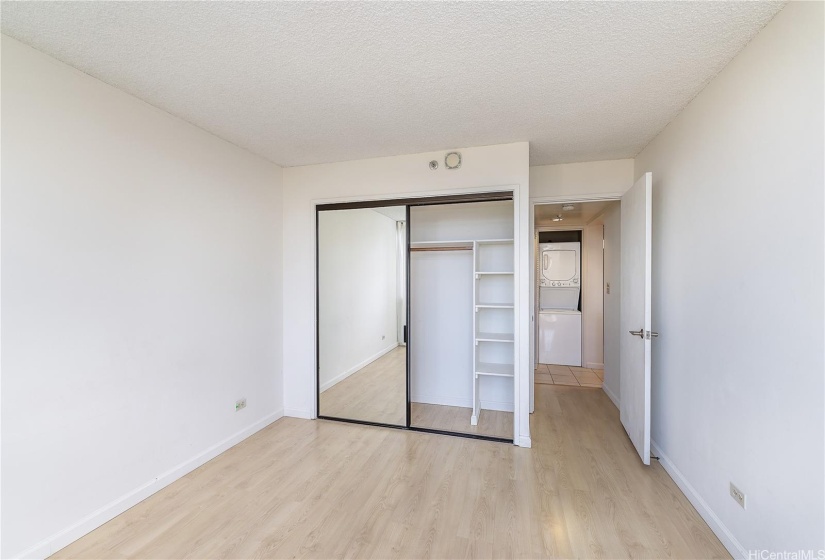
635 334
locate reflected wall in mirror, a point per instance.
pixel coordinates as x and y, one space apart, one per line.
362 314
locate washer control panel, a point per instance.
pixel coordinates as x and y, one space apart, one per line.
574 283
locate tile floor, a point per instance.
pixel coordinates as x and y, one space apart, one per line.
569 375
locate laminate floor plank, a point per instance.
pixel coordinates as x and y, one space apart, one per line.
324 489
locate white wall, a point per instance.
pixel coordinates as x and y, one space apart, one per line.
141 297
482 168
590 178
592 299
738 289
612 302
358 254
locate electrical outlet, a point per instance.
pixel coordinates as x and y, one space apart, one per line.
737 495
240 403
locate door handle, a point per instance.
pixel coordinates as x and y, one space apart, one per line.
640 333
652 334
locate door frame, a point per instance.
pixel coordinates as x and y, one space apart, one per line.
462 197
534 246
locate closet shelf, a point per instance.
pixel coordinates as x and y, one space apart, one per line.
494 306
441 246
494 337
494 241
493 260
445 242
496 370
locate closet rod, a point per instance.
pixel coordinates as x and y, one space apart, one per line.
465 248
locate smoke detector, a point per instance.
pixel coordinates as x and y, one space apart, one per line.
567 207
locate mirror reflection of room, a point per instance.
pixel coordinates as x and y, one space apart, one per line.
362 314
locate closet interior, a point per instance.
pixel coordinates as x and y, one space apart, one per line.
416 315
461 320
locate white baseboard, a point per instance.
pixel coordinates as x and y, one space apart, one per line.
728 540
341 376
594 365
611 395
524 441
64 537
503 406
298 413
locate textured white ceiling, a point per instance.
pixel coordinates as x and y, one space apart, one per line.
305 82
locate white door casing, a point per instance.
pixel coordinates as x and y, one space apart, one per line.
635 316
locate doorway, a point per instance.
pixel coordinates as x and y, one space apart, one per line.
571 282
624 297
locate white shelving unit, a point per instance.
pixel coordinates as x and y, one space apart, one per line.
493 292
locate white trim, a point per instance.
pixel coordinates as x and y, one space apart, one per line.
594 365
728 540
611 395
524 441
299 413
503 406
87 524
357 367
523 272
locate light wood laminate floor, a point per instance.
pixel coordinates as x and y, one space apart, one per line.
375 393
457 419
322 489
378 393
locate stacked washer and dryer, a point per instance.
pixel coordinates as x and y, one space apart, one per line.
560 320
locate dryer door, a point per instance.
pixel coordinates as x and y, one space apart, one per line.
558 265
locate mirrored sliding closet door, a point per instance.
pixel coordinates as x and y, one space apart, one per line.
362 319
